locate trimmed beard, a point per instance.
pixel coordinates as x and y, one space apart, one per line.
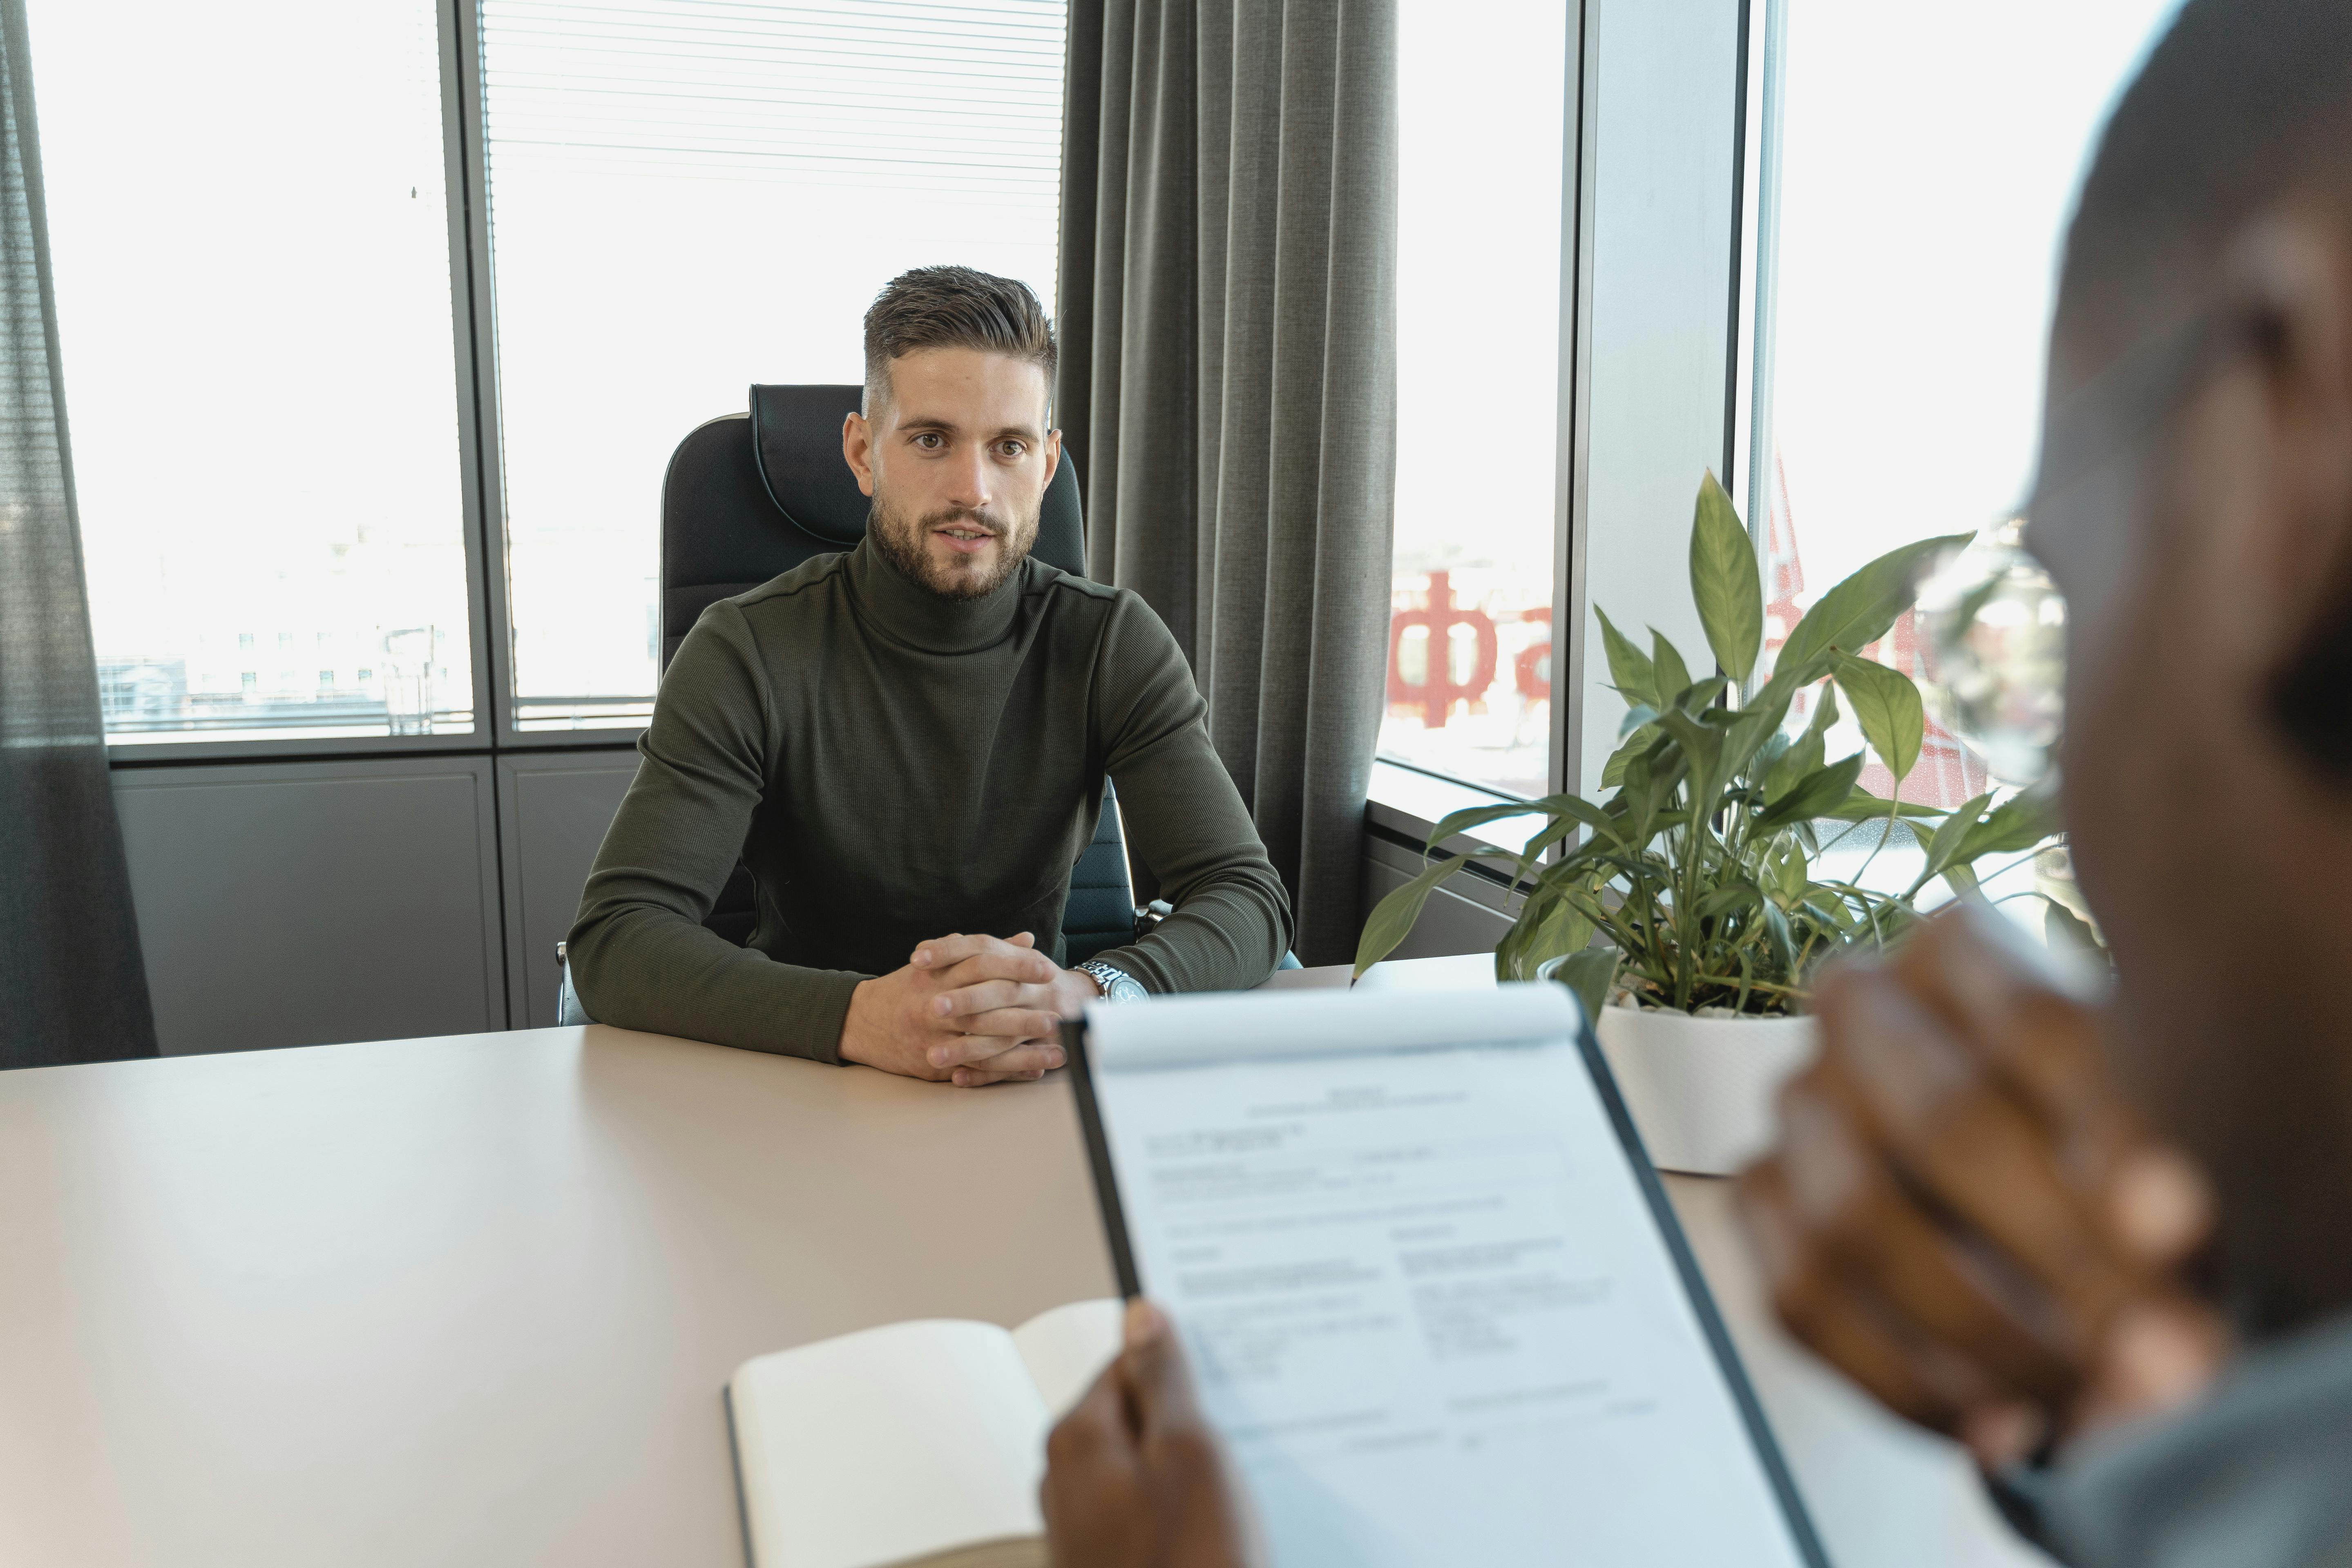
902 544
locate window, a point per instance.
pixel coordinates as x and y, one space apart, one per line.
1924 169
1479 288
689 197
236 298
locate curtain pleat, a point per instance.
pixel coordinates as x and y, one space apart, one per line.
1229 383
72 988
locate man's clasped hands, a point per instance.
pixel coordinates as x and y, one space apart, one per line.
966 1010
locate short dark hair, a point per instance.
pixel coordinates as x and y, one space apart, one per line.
2239 103
953 308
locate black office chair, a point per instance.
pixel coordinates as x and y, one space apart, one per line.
751 496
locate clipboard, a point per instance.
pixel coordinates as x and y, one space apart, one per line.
1078 1041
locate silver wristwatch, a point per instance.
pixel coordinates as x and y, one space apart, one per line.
1117 984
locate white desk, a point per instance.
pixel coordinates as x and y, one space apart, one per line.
470 1301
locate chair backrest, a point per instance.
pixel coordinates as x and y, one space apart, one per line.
751 496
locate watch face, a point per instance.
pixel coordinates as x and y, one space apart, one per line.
1126 990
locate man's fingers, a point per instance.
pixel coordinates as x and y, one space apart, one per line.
1948 1124
940 951
1089 1493
2160 1205
1096 1432
2159 1354
969 1001
981 1078
1034 1059
1813 1303
2008 1006
992 1035
1157 1377
1871 1233
1014 965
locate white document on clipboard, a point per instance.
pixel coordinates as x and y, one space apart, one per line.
1436 1303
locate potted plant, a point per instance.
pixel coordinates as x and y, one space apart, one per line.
1687 908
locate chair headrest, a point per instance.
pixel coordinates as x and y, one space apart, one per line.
797 440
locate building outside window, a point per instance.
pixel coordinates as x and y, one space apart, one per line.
1478 285
281 304
691 197
1926 169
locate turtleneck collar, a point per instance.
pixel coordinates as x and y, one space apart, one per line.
909 613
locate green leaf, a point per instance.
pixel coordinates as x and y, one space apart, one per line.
1559 928
1950 835
1725 581
1478 816
1857 611
1702 745
1830 905
1698 697
1726 898
1393 918
1813 795
1613 773
1804 755
1629 668
1743 733
1789 875
1826 712
1864 806
1887 707
1784 941
1963 882
1538 905
1639 717
1650 781
2016 825
1543 839
1798 763
1674 676
1589 974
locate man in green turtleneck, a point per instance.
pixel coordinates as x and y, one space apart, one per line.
907 743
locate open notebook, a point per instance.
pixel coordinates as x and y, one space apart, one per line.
1435 1297
917 1443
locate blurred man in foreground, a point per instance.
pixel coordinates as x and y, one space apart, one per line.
2036 1221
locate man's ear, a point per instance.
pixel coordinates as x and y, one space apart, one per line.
858 450
1053 457
2289 279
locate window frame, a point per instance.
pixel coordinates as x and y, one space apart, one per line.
456 27
1722 319
1745 362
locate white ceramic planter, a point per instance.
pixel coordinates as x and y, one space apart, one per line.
1701 1090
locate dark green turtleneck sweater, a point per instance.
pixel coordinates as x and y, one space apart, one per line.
895 766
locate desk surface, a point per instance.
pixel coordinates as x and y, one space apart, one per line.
471 1299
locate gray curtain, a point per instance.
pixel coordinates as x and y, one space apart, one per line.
1228 383
72 988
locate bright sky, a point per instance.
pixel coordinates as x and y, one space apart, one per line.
251 250
1929 162
1478 187
685 202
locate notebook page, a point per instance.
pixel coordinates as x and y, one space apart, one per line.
1065 1349
1424 1294
888 1444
